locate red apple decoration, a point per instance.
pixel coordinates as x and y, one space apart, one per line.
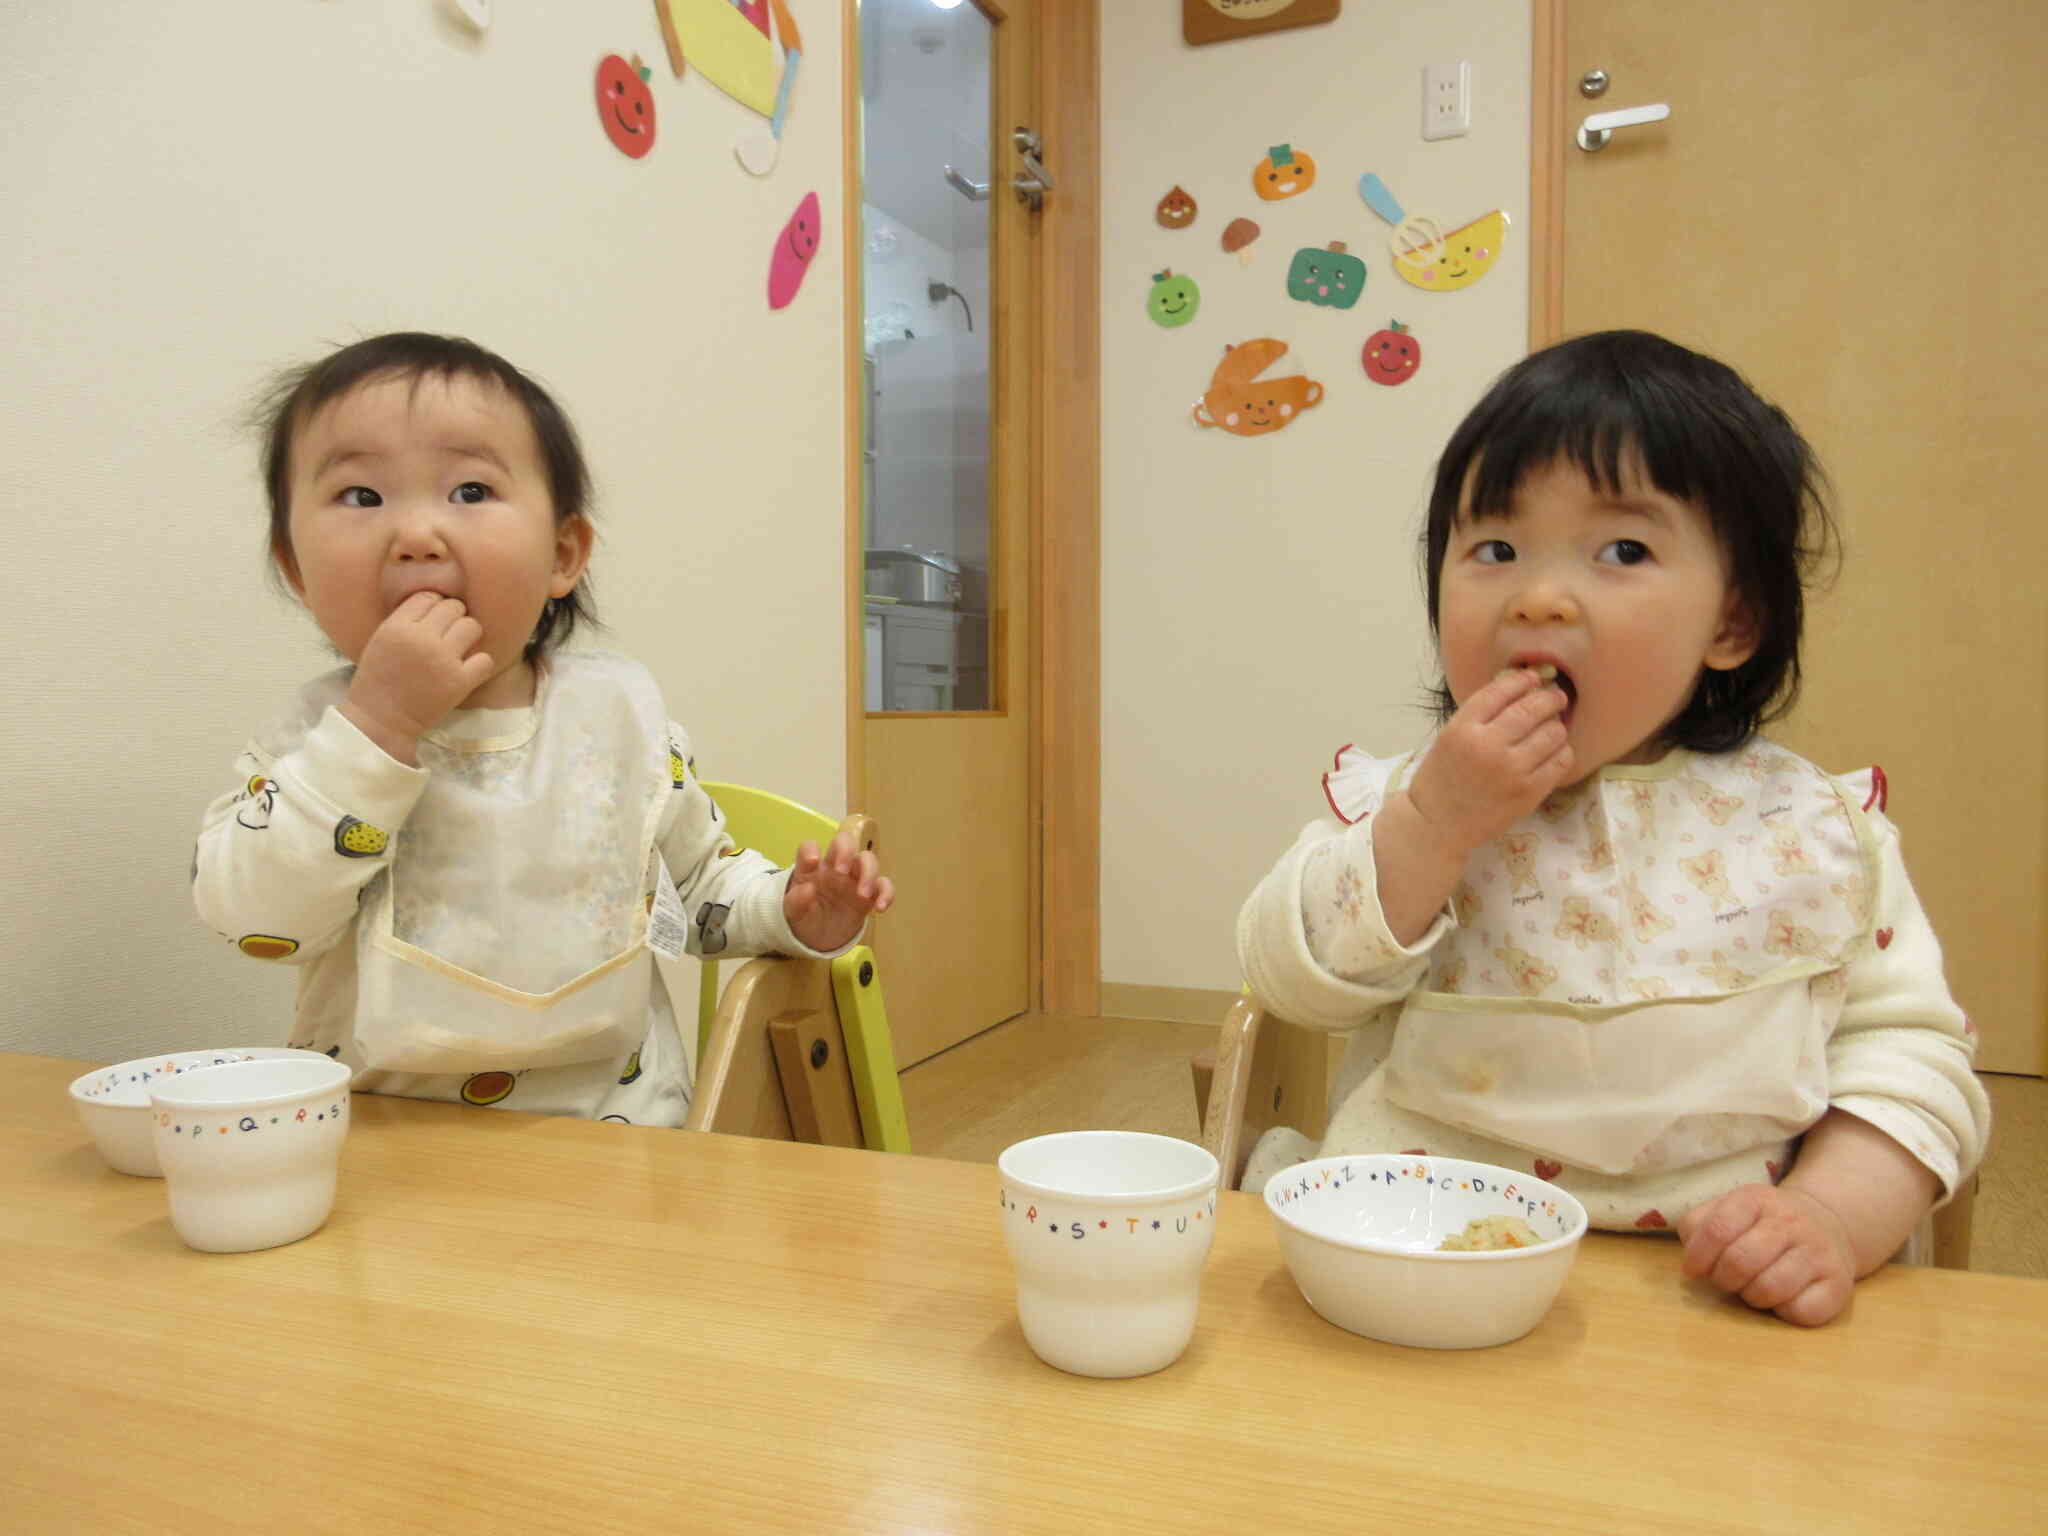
1391 356
625 105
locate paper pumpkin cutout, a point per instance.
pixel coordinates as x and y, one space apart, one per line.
795 246
1239 235
625 105
1456 260
1391 356
1285 172
1241 402
1174 298
1327 276
1176 210
729 45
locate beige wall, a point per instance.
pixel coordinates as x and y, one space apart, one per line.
1261 605
199 193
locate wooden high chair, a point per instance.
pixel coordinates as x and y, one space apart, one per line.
1265 1072
796 1049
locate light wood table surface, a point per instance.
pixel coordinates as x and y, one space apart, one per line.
520 1323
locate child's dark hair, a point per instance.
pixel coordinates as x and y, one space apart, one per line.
295 396
1621 401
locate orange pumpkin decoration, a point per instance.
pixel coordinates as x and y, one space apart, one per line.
1284 172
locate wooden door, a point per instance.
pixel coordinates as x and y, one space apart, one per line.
1847 203
945 752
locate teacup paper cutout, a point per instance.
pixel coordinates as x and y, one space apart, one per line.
1240 401
1176 210
625 105
1285 172
795 246
1174 298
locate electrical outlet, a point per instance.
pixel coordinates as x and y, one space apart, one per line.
1447 100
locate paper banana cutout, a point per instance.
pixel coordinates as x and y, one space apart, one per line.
1240 401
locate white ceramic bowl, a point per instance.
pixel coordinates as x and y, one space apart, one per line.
1361 1236
113 1102
251 1150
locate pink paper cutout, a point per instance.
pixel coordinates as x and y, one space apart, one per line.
795 246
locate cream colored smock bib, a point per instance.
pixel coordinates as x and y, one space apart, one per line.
511 924
1580 1006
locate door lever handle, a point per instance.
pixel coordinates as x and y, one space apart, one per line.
1595 131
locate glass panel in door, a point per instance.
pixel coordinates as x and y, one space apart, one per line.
927 174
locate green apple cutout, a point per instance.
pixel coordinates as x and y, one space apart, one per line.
1174 298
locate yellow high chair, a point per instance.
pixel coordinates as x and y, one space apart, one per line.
1265 1072
796 1049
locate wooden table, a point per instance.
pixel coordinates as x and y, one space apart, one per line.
517 1323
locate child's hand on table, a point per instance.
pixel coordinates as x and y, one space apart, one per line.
417 666
1779 1249
831 895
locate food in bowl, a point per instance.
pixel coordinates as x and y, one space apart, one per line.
1490 1234
113 1102
1363 1238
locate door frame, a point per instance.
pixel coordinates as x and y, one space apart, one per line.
1546 172
1063 435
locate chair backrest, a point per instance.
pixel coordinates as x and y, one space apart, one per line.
773 826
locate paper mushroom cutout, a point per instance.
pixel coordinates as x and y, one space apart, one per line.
1176 210
1238 238
1391 356
625 105
1240 401
1174 298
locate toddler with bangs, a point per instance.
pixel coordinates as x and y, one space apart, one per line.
470 841
1596 927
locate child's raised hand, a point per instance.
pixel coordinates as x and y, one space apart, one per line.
1779 1249
418 665
830 896
1494 761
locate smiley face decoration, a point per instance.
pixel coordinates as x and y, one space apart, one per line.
1240 401
1174 298
1176 210
1284 173
625 105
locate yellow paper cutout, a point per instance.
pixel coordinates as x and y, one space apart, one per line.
727 49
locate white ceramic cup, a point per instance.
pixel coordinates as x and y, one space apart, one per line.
250 1150
1108 1232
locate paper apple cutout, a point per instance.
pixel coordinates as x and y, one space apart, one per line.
1391 356
794 248
1284 172
1174 298
625 105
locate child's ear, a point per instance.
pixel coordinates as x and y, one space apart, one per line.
1737 639
573 539
288 567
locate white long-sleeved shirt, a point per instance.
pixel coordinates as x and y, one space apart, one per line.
266 876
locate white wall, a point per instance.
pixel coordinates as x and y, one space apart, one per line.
1261 604
200 193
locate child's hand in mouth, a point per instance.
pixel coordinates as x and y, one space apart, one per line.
419 664
1496 759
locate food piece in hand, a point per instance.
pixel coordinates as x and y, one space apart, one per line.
1489 1234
